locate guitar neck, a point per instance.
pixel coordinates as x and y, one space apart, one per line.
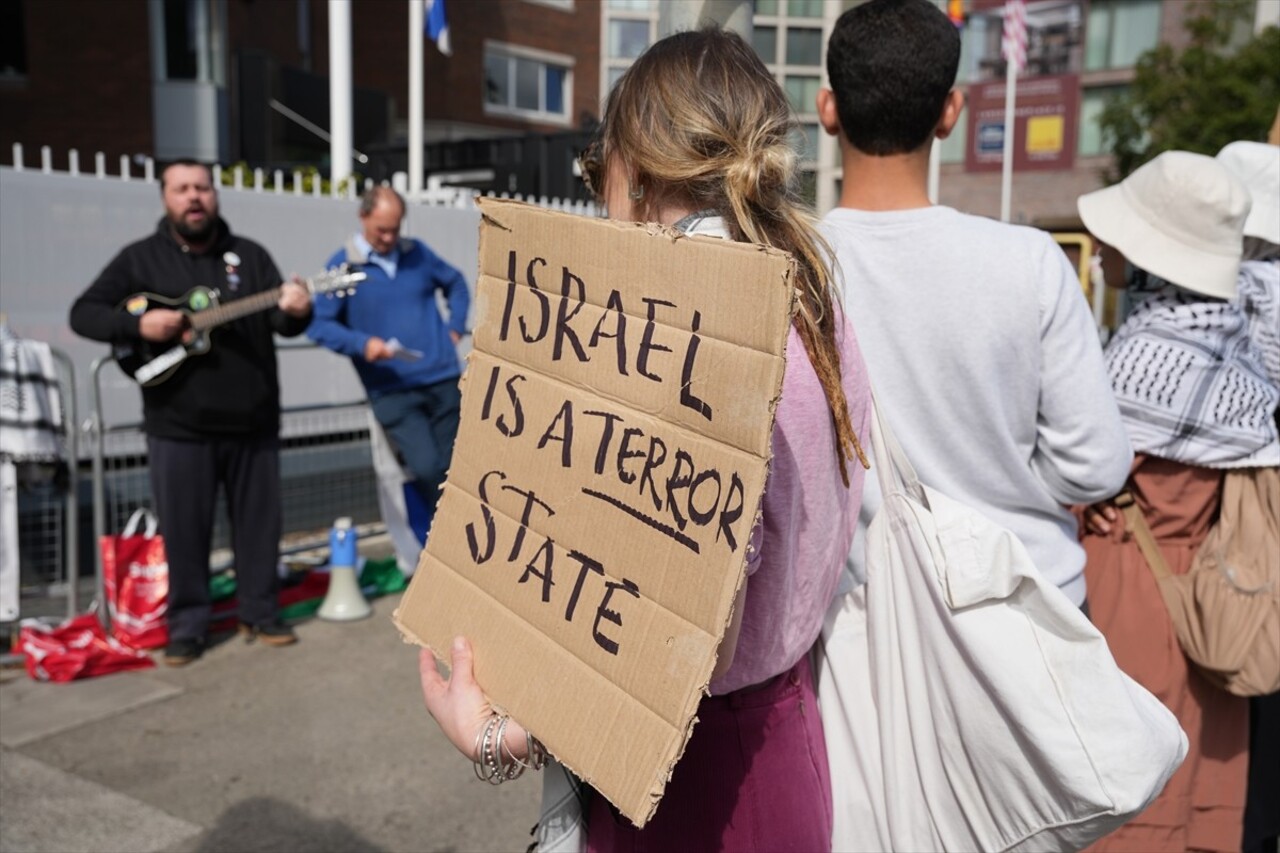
234 310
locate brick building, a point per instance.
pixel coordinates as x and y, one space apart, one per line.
1088 47
228 80
236 80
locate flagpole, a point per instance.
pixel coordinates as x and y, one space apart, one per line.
935 169
417 35
1006 177
340 130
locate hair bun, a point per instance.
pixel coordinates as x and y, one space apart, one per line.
760 172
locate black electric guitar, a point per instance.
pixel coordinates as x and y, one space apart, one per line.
150 363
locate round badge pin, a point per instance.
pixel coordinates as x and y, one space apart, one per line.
231 259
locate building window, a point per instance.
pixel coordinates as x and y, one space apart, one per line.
527 83
566 5
766 7
765 41
189 40
804 139
13 40
804 8
1119 31
804 46
627 38
626 31
1092 103
802 92
808 187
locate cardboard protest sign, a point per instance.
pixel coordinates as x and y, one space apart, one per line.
617 412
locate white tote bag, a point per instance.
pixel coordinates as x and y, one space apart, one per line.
967 703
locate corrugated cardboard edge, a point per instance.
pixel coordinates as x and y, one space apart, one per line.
490 213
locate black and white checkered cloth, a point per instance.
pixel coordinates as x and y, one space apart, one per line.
30 405
1259 296
1191 384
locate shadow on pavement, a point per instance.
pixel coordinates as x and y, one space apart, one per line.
267 824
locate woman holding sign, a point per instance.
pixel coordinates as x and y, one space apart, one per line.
696 136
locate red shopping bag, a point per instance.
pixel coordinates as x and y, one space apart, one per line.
135 574
78 648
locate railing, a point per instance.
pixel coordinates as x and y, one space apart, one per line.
326 471
48 530
299 184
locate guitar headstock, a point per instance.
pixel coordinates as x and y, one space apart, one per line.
340 281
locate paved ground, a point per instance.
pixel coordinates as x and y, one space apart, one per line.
322 746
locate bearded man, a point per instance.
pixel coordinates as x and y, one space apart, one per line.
214 420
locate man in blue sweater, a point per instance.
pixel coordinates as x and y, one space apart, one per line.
391 328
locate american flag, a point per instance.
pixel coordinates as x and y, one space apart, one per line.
1015 33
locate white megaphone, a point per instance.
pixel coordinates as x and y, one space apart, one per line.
343 602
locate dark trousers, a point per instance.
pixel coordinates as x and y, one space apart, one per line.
422 423
185 476
1261 815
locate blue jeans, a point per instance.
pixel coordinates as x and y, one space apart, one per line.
422 424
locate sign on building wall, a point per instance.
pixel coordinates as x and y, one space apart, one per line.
1047 108
1046 119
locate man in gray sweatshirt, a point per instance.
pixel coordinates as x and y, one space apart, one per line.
976 334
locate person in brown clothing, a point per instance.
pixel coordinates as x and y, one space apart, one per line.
1196 402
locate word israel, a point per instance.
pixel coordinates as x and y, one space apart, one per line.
530 309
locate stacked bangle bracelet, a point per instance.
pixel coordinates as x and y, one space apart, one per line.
494 762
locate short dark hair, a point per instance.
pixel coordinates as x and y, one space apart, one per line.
183 161
891 64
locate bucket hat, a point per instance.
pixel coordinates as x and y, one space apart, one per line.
1257 166
1180 217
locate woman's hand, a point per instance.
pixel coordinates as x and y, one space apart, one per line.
1099 517
460 707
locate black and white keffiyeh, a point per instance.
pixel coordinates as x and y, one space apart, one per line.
1190 384
30 408
1259 297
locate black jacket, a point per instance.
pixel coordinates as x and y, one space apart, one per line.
234 389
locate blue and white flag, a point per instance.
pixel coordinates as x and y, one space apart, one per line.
437 26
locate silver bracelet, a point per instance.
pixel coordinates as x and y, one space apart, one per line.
483 762
487 760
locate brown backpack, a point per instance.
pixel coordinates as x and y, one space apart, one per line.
1226 608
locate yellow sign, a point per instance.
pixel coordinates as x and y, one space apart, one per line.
1045 134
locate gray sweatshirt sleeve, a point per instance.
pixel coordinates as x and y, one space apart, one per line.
1082 452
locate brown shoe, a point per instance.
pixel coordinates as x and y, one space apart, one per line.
275 634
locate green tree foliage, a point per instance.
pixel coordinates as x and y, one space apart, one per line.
1211 92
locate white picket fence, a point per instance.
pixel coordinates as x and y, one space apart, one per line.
434 195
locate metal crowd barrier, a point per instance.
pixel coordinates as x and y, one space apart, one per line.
48 531
326 471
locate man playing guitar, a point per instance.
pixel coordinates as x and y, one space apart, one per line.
216 419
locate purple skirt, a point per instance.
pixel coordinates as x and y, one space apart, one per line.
753 777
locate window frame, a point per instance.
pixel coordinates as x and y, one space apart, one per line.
512 52
1111 8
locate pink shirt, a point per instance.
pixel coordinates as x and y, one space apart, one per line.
808 518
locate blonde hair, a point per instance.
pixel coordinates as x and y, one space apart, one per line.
700 121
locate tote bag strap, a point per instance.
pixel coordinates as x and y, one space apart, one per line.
139 515
1137 524
894 468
